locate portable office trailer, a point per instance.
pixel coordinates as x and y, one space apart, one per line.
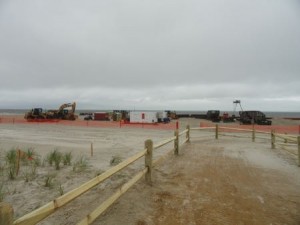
163 117
143 117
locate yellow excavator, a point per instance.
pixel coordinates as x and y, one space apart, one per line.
65 112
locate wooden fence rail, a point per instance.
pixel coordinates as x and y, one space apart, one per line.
46 210
294 140
288 140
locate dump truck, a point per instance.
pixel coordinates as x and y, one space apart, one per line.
65 112
254 117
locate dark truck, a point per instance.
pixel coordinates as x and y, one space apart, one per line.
254 117
213 115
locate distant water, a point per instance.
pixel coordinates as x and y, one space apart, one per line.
268 114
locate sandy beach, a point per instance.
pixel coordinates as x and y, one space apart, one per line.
225 181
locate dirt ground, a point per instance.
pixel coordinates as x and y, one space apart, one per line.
225 181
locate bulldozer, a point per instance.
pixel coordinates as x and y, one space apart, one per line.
65 112
35 113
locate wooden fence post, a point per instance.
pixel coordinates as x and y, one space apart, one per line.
253 135
148 160
217 131
6 214
188 133
176 142
273 139
92 150
298 139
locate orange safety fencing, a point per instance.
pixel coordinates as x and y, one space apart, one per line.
289 129
89 123
282 129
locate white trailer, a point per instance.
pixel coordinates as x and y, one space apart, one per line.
162 115
143 117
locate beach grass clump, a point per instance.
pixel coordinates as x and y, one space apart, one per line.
115 160
30 154
11 156
31 158
61 190
2 193
67 158
30 171
80 164
55 157
11 161
49 180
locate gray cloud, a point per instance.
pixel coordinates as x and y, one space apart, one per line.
150 54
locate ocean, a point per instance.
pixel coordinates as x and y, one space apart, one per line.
267 113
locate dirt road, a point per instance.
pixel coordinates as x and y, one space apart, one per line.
211 182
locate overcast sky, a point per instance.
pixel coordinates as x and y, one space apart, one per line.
158 54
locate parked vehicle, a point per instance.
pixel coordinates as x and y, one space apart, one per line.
213 115
254 117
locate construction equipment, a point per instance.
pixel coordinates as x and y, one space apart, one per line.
254 117
172 114
36 113
213 115
237 102
65 112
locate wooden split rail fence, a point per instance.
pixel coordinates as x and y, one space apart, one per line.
284 141
6 210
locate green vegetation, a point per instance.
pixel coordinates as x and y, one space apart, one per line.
26 164
67 158
30 154
80 164
60 190
49 180
115 160
2 194
55 157
11 161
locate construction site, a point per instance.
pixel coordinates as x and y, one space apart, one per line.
221 169
67 112
224 177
